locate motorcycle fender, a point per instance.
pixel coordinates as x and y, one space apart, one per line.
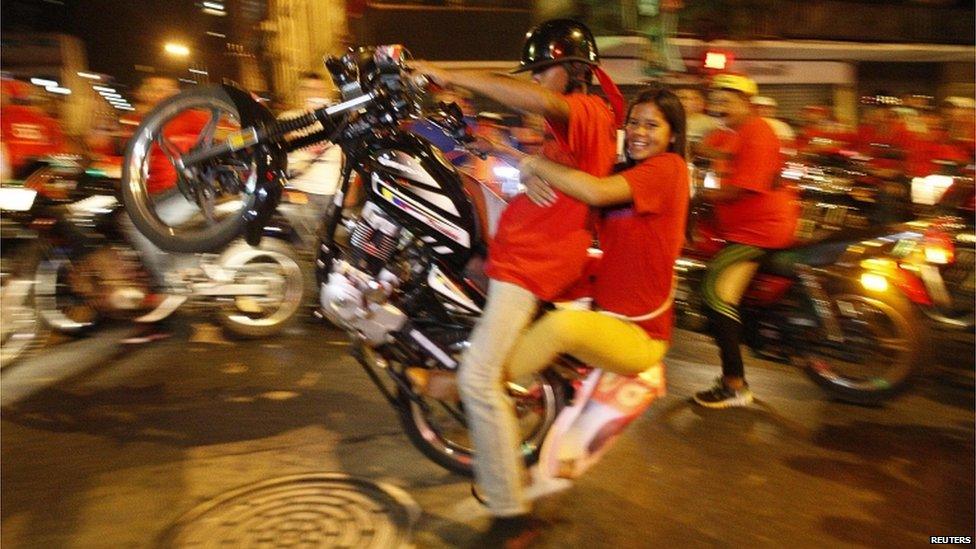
272 165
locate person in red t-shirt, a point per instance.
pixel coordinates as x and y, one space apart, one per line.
181 131
753 213
641 231
885 138
537 253
27 132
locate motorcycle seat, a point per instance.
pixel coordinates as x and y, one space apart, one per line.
783 262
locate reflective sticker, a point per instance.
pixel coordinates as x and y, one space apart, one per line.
422 214
243 138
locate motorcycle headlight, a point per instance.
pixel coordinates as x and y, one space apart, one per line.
874 282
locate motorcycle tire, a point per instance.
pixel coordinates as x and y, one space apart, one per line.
272 258
456 456
137 199
883 334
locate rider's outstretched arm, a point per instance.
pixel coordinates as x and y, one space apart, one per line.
518 94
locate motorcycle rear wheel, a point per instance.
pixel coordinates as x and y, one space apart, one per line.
883 341
191 231
451 449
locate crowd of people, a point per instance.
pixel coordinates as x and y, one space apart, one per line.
580 187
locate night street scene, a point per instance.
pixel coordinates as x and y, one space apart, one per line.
487 273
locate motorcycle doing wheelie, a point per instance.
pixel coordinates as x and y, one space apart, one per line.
86 269
844 325
402 274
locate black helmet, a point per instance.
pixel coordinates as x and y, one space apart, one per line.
558 41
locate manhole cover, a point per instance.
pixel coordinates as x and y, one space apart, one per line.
320 510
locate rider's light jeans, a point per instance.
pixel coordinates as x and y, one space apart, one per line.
491 417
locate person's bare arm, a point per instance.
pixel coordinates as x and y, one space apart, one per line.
589 189
518 94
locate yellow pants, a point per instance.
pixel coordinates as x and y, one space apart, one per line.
597 339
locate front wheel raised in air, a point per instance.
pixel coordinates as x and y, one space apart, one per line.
439 430
201 210
883 339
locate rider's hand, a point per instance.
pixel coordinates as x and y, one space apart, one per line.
437 76
538 191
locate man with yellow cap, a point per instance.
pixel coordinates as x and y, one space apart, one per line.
754 214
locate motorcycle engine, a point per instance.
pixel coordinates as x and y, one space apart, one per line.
357 291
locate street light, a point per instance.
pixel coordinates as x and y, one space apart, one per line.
179 50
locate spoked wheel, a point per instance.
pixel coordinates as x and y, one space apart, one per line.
439 429
273 267
198 209
882 343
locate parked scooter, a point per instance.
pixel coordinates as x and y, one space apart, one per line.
87 271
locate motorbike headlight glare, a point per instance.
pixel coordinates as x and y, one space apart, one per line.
874 282
938 255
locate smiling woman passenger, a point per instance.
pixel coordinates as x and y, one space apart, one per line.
641 230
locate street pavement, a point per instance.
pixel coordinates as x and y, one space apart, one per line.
115 451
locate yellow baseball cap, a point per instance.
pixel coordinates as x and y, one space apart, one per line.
735 82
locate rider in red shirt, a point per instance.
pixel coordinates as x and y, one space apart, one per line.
537 252
755 213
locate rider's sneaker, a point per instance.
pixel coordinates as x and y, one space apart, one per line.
723 396
516 532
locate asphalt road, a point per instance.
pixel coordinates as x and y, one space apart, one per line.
108 445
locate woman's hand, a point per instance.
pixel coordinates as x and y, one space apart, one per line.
538 191
437 76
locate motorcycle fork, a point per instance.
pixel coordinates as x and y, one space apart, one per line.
822 304
330 222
